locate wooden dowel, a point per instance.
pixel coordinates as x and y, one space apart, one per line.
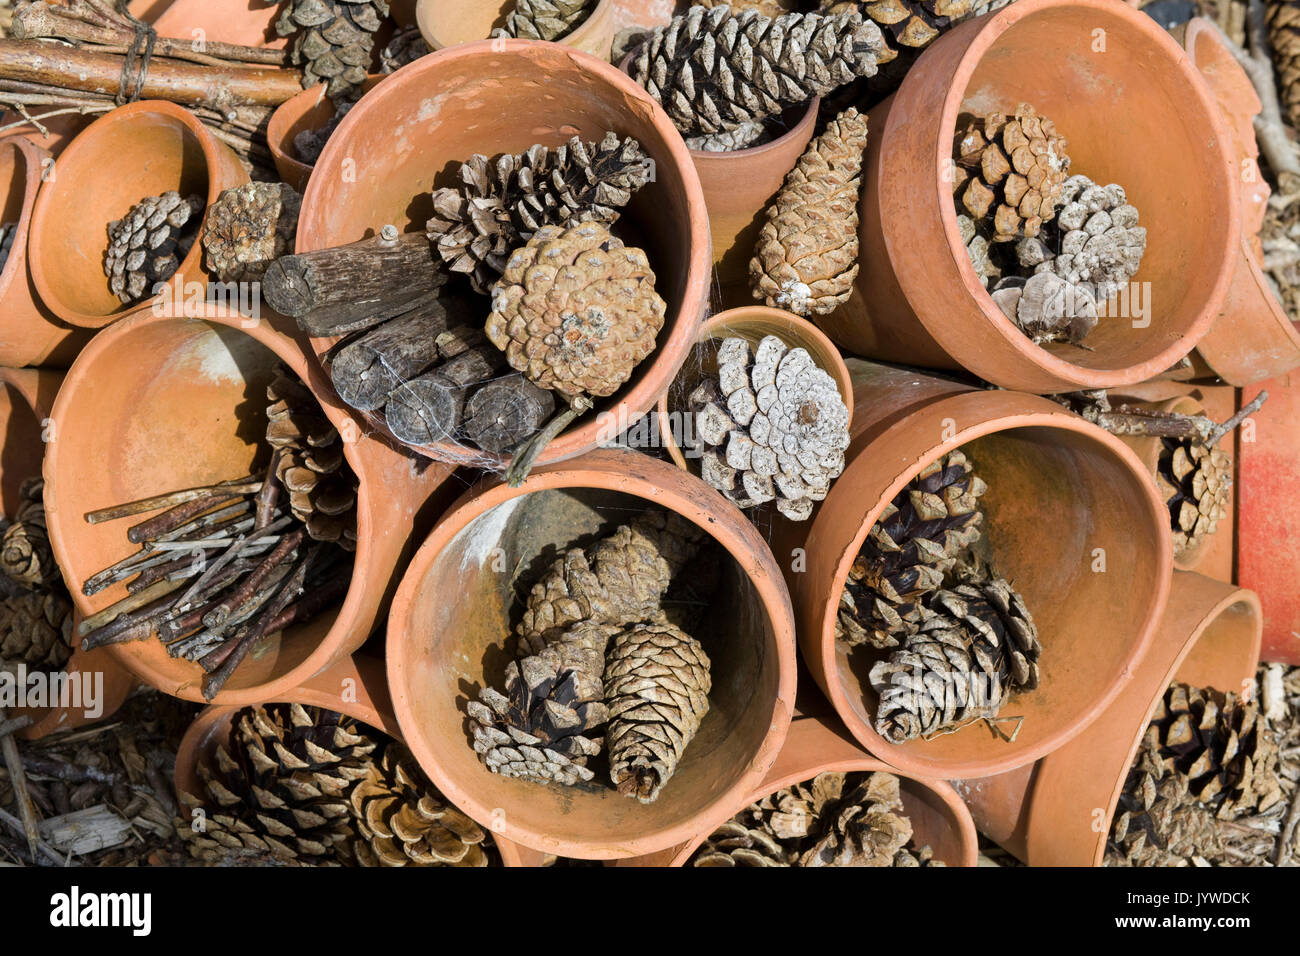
170 500
428 409
506 411
366 371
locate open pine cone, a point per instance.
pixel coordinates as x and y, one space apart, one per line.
1196 482
25 554
146 245
333 40
36 630
545 19
576 311
912 25
248 227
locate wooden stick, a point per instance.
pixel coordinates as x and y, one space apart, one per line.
19 826
174 517
366 371
18 781
127 605
428 409
217 617
504 412
170 500
14 724
134 624
521 462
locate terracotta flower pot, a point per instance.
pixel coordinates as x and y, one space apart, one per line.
441 651
405 136
310 109
751 323
939 817
920 300
154 404
246 22
29 333
1268 507
1071 516
1059 812
142 149
447 23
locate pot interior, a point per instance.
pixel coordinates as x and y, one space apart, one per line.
1121 100
449 22
23 449
1067 522
170 405
459 638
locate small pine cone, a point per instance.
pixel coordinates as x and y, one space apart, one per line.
406 46
1196 482
736 843
910 26
308 144
322 488
715 69
248 227
25 554
576 311
772 427
1284 39
404 821
806 257
333 40
657 686
917 538
146 245
36 630
795 812
978 250
545 19
868 827
1048 308
8 231
1010 171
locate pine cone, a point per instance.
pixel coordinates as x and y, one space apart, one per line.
976 644
806 257
502 202
742 137
1196 482
657 685
36 630
538 730
7 232
545 19
322 489
405 821
25 553
978 251
333 40
868 830
406 46
771 426
280 785
714 69
736 844
576 311
147 245
795 812
1158 823
1284 38
248 227
308 144
917 538
1011 168
1047 308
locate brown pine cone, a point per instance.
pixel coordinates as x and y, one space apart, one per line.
736 844
545 19
146 245
25 554
36 630
1196 483
1284 39
911 25
576 311
248 227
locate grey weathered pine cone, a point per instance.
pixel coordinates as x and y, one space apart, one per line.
1048 308
545 19
910 26
333 40
146 245
771 426
249 227
1196 483
406 46
25 554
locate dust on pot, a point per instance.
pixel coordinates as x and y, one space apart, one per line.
1059 812
162 403
489 549
504 96
1070 517
447 23
922 301
137 151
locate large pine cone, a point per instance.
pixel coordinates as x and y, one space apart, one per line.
248 227
715 69
36 630
502 202
1012 169
806 257
405 821
1196 483
280 785
333 40
25 553
771 426
1284 38
657 686
322 488
917 538
146 245
576 311
546 19
868 828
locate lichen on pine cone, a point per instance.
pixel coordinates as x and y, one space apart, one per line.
36 630
771 426
1284 40
657 687
147 245
248 227
1196 484
806 257
545 19
25 554
917 539
576 311
716 69
501 202
1009 172
404 821
333 40
321 486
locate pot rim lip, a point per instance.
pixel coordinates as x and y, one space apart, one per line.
984 38
1009 411
605 471
638 393
582 31
85 142
288 352
1044 772
807 120
32 157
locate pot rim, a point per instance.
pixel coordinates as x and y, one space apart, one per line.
1009 411
606 471
32 157
638 393
984 38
